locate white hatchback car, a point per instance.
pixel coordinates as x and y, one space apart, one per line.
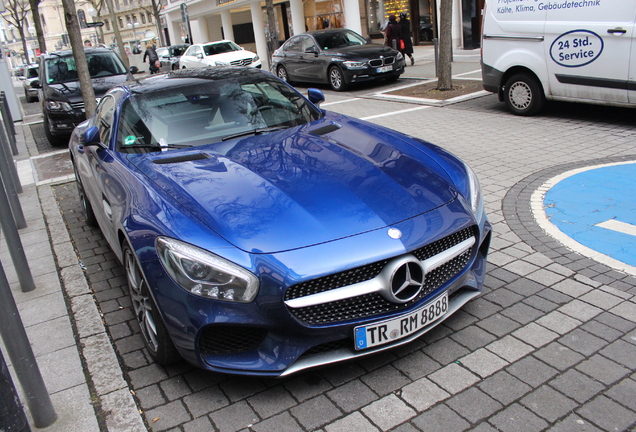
220 53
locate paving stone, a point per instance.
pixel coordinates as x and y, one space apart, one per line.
234 417
624 393
423 393
307 385
583 342
540 303
205 401
580 310
522 313
607 414
503 297
150 397
601 330
516 418
175 388
388 412
385 380
558 356
353 422
445 351
167 416
483 362
473 337
574 423
603 369
315 412
416 365
577 385
201 424
341 395
498 325
535 335
558 322
548 403
474 405
626 310
440 418
272 401
504 387
509 348
239 387
616 322
531 371
601 299
283 422
454 378
481 308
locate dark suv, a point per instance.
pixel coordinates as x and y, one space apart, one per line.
60 93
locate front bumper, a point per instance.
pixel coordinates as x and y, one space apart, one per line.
264 338
371 74
62 123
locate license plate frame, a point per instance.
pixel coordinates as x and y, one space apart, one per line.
384 69
397 328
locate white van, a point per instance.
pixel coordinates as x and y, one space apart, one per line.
568 50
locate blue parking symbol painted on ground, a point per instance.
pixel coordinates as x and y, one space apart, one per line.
579 203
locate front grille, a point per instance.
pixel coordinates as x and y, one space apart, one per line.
382 61
242 62
77 105
225 339
374 304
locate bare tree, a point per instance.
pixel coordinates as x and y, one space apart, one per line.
155 9
75 38
444 81
272 39
37 23
16 16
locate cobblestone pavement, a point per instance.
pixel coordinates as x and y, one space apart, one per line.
550 345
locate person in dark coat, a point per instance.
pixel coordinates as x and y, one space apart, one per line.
153 58
393 33
405 27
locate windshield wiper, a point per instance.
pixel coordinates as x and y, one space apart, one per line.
156 146
257 131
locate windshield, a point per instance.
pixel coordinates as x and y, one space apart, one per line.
220 48
60 69
178 50
342 39
211 112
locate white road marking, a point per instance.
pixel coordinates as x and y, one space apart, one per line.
394 113
621 227
338 102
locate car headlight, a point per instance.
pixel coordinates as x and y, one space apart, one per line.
355 64
58 106
476 198
255 59
399 56
220 63
205 274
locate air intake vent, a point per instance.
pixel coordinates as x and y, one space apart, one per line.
324 129
183 158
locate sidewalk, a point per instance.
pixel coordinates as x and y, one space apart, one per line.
83 402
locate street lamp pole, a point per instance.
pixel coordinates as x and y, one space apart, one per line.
132 24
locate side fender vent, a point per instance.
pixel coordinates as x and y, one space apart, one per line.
323 130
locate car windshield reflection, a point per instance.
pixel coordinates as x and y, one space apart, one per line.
195 115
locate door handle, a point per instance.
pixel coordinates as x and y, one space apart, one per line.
617 30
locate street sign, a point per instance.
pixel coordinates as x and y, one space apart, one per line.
95 24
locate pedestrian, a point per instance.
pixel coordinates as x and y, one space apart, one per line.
88 43
405 27
153 58
393 33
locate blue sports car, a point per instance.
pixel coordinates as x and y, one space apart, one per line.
262 235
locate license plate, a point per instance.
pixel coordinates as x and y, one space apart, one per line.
384 69
402 326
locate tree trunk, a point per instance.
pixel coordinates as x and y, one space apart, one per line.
37 23
272 39
75 38
444 81
24 45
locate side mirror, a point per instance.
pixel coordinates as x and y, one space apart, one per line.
200 56
36 84
315 96
91 137
312 50
368 40
134 69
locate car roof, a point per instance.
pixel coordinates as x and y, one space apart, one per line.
87 50
187 77
327 31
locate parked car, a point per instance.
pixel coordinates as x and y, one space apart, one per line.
220 53
60 93
29 76
337 57
262 235
426 28
169 56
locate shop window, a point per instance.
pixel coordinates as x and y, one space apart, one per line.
149 17
379 10
323 14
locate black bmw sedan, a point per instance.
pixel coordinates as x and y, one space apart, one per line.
335 56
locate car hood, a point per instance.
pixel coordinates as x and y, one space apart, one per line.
368 51
229 56
71 91
296 188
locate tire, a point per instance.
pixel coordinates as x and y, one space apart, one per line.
523 95
91 220
336 79
55 141
281 73
153 330
392 78
28 98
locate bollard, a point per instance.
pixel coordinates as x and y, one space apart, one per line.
12 417
5 153
21 354
7 223
8 122
436 55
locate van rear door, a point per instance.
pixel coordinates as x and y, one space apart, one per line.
588 46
